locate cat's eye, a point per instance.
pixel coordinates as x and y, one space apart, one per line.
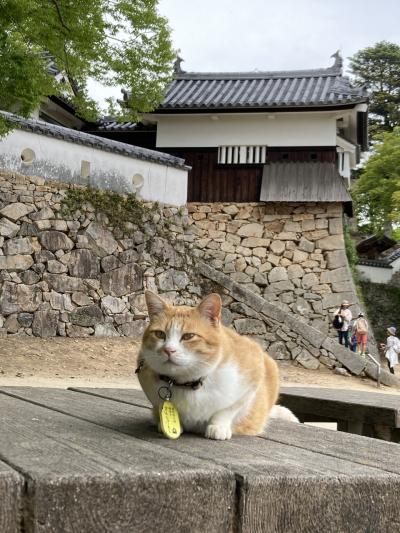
187 336
159 334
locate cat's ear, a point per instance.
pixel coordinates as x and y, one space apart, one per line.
210 308
155 304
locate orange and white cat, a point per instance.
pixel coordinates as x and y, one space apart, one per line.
222 383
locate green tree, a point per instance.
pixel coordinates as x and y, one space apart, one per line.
116 42
377 191
378 68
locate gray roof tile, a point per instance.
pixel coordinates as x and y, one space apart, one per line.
100 143
259 90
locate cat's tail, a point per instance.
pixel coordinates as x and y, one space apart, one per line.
283 413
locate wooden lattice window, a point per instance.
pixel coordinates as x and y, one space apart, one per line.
242 155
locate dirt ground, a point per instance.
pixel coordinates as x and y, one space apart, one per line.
111 362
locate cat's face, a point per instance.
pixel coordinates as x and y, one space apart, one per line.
182 341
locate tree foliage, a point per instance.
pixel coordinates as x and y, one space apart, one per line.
378 69
377 191
116 42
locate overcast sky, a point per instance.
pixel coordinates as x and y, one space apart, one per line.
229 35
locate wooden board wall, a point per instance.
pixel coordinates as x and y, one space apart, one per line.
211 182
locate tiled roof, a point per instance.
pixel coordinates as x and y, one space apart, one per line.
101 143
303 182
261 90
385 262
113 125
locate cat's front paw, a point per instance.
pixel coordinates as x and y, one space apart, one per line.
216 432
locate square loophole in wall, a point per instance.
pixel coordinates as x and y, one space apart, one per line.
85 169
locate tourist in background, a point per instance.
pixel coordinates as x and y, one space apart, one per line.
344 314
392 349
360 328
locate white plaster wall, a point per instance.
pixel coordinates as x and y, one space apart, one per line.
396 265
60 160
375 274
278 129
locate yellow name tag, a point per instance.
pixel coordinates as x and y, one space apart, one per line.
169 420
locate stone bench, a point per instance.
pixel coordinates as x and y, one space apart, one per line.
89 461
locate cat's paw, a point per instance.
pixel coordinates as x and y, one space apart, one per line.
218 432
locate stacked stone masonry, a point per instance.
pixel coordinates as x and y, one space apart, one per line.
78 276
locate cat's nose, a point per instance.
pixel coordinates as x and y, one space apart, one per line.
169 351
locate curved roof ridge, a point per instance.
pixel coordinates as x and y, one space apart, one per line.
256 74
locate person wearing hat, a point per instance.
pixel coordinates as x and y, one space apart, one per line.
360 327
392 348
346 316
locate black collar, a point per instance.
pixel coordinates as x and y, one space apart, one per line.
194 385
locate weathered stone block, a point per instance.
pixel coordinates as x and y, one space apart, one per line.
336 259
44 214
172 280
45 323
87 316
254 242
80 298
8 228
277 287
55 240
11 324
17 263
308 225
251 230
101 239
249 326
277 247
63 283
19 245
295 271
306 360
299 256
277 274
277 350
105 330
124 280
16 211
333 242
73 330
83 263
334 276
241 277
25 319
342 286
55 267
335 226
133 329
112 305
309 280
336 298
15 298
306 246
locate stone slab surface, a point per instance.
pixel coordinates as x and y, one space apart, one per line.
293 478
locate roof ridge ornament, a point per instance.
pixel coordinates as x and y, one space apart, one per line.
338 64
177 66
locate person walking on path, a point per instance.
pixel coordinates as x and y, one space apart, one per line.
360 328
346 316
392 349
